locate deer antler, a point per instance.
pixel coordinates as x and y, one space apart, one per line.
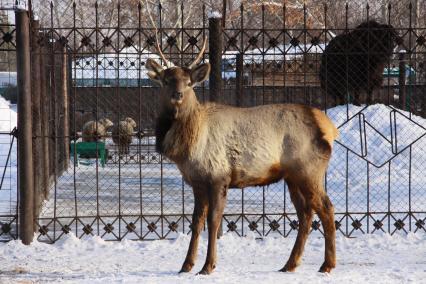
168 63
200 54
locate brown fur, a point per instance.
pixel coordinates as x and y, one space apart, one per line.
217 147
240 180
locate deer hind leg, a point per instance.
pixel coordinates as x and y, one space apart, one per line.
217 202
198 220
324 208
304 214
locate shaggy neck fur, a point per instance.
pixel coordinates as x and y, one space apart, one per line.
178 127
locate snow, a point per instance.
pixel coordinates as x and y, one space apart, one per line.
378 258
287 51
8 120
367 259
214 14
7 78
8 116
124 65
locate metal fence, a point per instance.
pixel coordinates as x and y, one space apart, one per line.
88 69
8 142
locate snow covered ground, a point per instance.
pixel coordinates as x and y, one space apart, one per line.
8 117
377 258
367 259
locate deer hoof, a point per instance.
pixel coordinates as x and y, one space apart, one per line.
203 272
206 270
288 268
326 268
186 267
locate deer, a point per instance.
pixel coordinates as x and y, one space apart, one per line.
217 147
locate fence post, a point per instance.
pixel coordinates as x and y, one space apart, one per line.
239 78
25 149
215 58
64 109
44 118
36 117
401 81
52 111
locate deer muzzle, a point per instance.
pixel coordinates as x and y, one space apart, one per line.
177 96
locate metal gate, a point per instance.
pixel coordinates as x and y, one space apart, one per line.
91 67
8 153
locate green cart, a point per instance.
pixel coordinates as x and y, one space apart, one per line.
89 150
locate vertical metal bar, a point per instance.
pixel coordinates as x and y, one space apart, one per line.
53 115
223 13
389 197
97 111
44 118
65 108
263 102
181 35
368 197
181 64
357 96
117 90
410 56
401 82
140 113
347 192
325 41
25 162
161 156
242 214
346 99
215 59
409 189
74 119
305 93
204 36
239 78
389 62
162 195
285 100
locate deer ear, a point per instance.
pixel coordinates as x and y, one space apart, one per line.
154 70
200 73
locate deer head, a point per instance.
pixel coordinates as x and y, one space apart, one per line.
177 82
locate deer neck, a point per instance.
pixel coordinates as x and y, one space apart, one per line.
178 129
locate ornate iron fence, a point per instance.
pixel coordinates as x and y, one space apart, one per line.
92 69
8 153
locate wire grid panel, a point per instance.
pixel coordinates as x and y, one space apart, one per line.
8 117
374 178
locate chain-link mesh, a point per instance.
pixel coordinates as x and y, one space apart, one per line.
369 78
8 149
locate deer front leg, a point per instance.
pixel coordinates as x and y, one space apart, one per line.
198 219
217 202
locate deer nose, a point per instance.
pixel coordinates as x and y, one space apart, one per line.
177 95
